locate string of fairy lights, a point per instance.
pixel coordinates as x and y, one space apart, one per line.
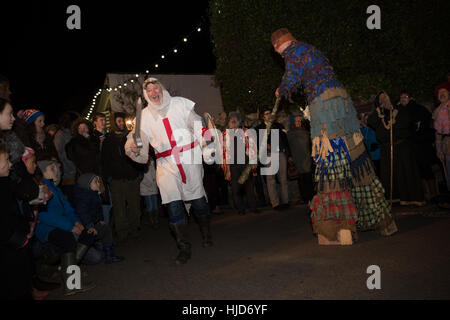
163 57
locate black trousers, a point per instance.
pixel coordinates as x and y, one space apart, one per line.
65 241
240 189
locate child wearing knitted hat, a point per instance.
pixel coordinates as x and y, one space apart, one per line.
88 206
61 226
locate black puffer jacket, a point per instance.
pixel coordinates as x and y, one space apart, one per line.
84 154
15 260
115 163
24 187
87 203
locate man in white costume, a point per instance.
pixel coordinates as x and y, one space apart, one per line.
175 131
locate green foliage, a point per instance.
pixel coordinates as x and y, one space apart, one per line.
410 51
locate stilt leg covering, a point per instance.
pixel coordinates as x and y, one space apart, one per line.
349 195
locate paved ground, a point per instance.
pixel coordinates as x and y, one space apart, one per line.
274 255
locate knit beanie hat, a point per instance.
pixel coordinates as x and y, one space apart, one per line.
27 154
43 164
443 85
84 181
30 115
281 35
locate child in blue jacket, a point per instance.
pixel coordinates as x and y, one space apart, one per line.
88 206
60 226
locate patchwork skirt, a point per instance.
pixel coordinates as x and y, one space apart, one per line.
348 193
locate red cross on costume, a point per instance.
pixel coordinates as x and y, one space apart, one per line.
175 150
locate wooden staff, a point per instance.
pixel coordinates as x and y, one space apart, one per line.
391 128
249 167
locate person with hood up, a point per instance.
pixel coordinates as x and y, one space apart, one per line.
171 126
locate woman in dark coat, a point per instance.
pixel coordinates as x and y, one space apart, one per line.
407 184
82 150
300 143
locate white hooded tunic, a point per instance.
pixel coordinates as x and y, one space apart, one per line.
177 179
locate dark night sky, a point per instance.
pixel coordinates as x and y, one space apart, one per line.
54 69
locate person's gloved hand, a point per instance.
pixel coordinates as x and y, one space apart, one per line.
306 113
209 153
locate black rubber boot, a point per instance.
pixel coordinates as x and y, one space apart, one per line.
48 273
69 259
110 256
204 223
179 230
81 251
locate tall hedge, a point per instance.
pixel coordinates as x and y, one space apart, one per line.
411 51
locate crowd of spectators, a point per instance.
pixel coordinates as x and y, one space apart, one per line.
70 194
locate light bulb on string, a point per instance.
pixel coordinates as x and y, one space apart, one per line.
185 39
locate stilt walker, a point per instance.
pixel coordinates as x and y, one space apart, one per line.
349 193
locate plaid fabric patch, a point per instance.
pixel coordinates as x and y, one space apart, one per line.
371 203
334 172
334 205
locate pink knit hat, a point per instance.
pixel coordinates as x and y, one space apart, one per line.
27 154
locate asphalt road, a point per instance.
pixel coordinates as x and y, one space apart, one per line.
274 255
